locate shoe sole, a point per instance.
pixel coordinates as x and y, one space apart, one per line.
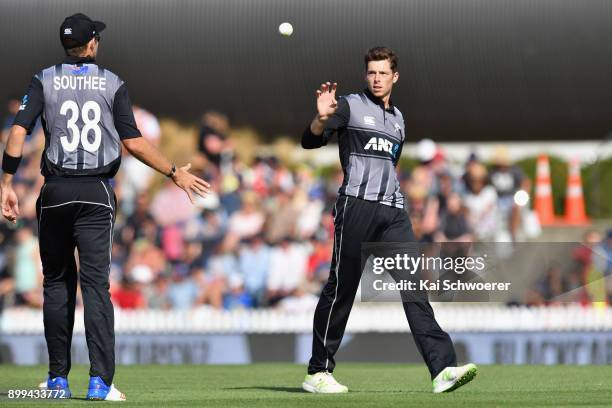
104 399
464 379
309 388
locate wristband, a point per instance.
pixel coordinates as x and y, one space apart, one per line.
172 171
10 163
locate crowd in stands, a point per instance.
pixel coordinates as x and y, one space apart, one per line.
264 238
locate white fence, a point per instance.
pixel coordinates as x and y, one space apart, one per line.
368 318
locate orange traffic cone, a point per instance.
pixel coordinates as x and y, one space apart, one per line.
574 200
543 204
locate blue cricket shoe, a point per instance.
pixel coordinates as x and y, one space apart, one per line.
58 383
99 391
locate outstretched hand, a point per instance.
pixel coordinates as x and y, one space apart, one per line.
326 100
189 183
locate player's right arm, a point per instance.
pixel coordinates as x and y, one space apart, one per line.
331 116
144 151
10 162
31 107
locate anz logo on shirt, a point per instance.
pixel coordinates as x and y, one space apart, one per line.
380 144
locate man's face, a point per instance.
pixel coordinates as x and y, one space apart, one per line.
380 78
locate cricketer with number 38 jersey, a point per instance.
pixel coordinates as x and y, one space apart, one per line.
85 112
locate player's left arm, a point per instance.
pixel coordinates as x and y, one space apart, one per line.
31 107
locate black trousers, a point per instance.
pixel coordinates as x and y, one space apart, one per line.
358 221
77 213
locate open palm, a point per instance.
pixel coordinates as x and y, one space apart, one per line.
326 100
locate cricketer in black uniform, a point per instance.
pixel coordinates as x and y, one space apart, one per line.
86 115
369 208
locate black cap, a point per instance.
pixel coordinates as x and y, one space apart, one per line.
78 30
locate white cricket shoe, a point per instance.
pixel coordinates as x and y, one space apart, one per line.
452 378
323 383
114 394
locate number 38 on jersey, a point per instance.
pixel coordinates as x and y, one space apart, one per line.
90 115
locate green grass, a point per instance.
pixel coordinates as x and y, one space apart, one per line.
371 385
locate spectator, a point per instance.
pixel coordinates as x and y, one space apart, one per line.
254 263
426 151
208 228
453 223
507 180
551 288
298 301
287 269
237 297
170 207
603 257
213 142
183 291
157 294
585 267
140 223
12 106
281 222
583 254
446 186
136 176
7 286
423 210
129 295
481 203
219 268
146 261
319 262
246 222
28 274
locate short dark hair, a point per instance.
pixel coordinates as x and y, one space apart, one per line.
381 54
76 51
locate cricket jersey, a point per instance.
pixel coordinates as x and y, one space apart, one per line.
85 112
370 140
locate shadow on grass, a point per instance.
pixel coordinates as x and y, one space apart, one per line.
299 390
277 389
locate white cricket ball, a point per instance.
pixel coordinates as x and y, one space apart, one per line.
285 29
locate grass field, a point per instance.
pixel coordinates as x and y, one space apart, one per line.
371 385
